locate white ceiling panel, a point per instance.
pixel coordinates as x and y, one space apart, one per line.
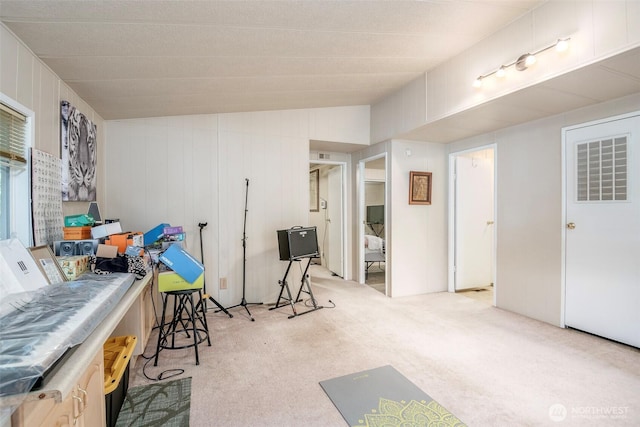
166 67
143 58
124 56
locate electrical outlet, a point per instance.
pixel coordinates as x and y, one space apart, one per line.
223 283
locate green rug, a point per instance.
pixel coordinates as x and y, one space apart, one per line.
384 397
163 404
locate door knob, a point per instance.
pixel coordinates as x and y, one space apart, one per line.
571 225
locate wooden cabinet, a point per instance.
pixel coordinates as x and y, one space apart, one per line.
74 394
140 318
83 407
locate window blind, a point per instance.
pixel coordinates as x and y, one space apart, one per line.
13 127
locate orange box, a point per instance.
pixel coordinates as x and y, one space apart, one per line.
122 240
77 233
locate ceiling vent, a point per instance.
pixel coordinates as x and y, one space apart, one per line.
323 156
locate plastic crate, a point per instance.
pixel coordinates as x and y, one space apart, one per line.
117 353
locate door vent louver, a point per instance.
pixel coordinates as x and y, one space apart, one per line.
602 170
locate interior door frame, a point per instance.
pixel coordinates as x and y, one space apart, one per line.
362 218
452 216
563 230
346 267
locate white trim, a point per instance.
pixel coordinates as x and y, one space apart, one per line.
21 200
361 218
346 264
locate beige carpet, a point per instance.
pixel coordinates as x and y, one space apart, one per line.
487 366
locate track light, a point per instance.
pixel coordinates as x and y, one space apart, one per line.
562 45
524 61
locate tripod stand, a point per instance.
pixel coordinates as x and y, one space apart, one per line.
244 302
206 295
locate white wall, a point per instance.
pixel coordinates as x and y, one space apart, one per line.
318 219
27 80
357 247
417 234
190 169
529 208
598 29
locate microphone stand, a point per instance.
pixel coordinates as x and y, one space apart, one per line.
204 284
244 302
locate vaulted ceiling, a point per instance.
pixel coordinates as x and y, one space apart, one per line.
131 59
147 58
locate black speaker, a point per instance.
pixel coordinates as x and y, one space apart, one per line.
75 247
297 242
65 248
86 247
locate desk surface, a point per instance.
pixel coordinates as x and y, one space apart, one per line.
61 383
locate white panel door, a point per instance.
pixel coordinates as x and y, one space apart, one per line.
474 220
603 229
334 223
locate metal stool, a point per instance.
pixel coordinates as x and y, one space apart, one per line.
186 317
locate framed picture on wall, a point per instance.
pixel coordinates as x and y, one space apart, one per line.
419 188
314 190
79 155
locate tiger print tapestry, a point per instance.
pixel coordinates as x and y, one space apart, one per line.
79 159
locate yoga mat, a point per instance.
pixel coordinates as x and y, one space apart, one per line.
162 404
383 396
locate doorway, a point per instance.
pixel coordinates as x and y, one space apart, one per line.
330 216
602 217
373 214
472 223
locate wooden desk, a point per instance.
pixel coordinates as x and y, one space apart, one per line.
75 393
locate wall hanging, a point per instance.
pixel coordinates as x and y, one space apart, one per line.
78 152
419 188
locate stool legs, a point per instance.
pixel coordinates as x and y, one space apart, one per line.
203 318
161 329
186 314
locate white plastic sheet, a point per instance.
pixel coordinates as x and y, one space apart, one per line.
38 327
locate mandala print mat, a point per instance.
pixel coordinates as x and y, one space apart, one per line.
384 397
163 404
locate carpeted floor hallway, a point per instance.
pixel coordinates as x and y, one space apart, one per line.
489 367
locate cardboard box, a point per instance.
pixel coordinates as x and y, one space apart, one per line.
153 235
122 240
105 230
73 266
171 281
80 220
77 233
165 245
182 263
107 251
134 251
172 230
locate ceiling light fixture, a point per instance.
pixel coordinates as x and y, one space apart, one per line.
524 61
